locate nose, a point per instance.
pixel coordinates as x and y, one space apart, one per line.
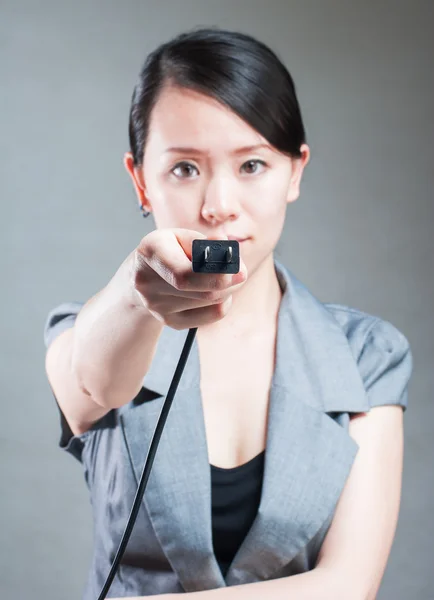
221 202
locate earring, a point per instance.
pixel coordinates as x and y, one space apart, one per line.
145 213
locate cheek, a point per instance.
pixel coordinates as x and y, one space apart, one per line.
169 201
174 207
269 201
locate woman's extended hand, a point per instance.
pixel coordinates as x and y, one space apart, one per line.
163 279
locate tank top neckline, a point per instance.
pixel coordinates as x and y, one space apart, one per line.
252 462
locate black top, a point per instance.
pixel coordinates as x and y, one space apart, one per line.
235 499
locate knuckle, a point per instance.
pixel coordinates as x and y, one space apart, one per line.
144 253
140 265
220 309
220 283
169 321
179 280
212 296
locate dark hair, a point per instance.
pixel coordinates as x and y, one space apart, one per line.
231 67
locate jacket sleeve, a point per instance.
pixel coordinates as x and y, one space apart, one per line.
386 365
59 319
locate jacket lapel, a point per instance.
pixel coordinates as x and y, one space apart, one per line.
308 455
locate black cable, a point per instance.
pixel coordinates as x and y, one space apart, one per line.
149 460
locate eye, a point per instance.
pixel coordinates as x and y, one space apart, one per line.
254 162
185 169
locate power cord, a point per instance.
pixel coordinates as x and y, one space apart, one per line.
208 256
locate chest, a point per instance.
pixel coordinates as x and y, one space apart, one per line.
235 390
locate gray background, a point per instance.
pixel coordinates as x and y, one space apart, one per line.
360 234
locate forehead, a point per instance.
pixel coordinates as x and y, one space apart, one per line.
184 117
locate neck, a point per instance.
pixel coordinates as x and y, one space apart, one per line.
255 305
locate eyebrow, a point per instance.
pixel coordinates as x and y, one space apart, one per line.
189 150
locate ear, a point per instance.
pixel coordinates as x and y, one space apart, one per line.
137 178
298 165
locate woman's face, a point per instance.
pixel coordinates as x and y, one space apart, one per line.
202 161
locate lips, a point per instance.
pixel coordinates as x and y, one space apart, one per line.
238 239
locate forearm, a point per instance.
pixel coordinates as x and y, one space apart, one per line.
318 584
114 342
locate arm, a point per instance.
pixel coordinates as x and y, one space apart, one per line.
313 585
354 554
360 538
355 550
99 363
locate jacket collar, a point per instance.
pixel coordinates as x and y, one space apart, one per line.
308 455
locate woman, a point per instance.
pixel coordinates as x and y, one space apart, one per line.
278 474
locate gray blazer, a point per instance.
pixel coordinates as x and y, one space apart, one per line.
332 360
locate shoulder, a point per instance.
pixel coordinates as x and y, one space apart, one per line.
367 332
381 350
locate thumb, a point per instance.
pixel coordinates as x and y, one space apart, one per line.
185 239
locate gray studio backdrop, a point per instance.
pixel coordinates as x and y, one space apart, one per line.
361 232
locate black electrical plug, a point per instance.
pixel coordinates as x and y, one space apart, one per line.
216 256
